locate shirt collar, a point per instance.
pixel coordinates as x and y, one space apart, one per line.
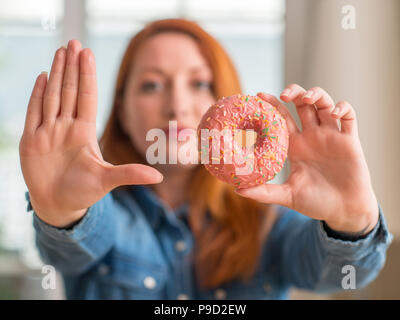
153 207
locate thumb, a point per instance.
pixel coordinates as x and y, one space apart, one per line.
128 174
268 193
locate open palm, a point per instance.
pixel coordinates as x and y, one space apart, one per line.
329 178
60 157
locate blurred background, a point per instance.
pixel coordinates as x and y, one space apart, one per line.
350 48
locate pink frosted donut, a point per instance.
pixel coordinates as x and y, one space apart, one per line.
247 166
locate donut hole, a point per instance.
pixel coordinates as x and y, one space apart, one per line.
245 138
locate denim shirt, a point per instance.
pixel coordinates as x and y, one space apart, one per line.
130 246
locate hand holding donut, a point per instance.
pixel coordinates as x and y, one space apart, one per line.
329 177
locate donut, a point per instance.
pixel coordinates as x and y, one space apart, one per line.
263 158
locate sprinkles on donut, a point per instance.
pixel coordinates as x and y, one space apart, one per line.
241 162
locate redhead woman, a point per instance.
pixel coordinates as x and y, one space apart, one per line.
118 228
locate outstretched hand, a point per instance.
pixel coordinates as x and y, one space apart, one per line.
60 157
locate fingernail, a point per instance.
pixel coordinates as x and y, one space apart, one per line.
286 92
308 94
335 111
44 72
63 47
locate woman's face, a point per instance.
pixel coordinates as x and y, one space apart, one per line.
170 80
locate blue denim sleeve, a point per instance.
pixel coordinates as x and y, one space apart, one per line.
74 250
312 260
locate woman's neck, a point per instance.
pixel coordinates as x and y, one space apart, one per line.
173 190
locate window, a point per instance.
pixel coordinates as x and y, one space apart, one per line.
29 34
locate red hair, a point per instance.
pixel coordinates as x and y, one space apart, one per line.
227 228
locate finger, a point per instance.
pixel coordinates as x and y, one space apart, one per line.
291 124
71 80
87 93
307 112
347 116
324 104
269 193
52 95
128 174
33 116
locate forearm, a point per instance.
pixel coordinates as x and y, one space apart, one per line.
314 260
75 249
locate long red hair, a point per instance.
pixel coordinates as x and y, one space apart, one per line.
227 228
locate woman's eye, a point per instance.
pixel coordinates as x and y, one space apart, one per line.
150 86
202 85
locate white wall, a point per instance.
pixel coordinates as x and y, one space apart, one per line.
361 66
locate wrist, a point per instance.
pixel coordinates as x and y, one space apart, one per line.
60 219
359 225
63 222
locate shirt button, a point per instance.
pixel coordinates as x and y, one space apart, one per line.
180 245
103 269
149 282
267 287
220 294
182 296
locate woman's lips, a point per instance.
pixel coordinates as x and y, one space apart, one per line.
174 132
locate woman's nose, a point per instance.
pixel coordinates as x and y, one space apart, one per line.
178 102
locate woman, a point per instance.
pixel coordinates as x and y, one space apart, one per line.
116 228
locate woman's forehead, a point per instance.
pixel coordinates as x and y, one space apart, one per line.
170 50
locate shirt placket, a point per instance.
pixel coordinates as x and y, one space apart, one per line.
180 243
